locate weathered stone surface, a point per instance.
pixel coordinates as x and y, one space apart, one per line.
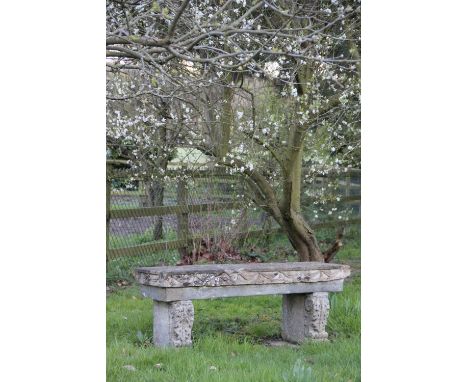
304 286
215 275
305 317
197 293
172 323
316 308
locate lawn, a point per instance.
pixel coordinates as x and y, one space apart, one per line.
232 339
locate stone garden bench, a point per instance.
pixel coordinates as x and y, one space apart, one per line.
304 287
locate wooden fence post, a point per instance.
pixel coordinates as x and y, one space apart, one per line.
108 204
348 185
182 218
142 197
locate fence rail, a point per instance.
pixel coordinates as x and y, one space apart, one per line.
182 243
123 213
184 238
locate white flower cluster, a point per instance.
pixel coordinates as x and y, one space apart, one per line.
272 69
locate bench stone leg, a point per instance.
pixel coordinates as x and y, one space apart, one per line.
172 323
305 317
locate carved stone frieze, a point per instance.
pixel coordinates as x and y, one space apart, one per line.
316 309
240 274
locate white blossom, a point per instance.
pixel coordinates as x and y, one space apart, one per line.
272 69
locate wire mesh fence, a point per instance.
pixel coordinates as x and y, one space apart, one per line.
159 221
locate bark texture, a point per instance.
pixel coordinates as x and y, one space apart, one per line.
155 198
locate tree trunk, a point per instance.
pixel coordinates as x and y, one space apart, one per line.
156 186
302 238
155 192
299 233
182 218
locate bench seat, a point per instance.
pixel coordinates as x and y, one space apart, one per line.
304 286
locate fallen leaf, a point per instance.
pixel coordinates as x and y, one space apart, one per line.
129 367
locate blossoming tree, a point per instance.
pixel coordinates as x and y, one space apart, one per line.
261 87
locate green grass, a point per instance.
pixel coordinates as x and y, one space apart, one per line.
122 268
119 241
231 334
